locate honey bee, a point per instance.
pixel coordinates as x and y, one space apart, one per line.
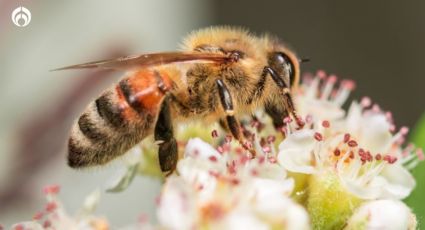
221 74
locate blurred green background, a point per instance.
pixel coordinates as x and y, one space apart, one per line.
380 44
416 200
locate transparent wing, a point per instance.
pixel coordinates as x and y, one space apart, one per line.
148 60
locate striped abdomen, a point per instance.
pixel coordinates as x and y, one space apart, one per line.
119 119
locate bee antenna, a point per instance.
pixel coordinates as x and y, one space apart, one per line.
302 60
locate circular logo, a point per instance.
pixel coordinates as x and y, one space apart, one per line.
21 16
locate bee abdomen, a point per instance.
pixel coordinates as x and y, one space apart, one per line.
90 127
108 110
119 119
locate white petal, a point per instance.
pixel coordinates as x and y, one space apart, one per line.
374 133
196 172
372 190
242 219
197 166
328 111
370 129
321 109
176 208
196 147
297 218
400 182
354 118
270 171
266 189
283 211
91 202
295 152
382 214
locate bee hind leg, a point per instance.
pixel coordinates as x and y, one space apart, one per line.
168 152
231 122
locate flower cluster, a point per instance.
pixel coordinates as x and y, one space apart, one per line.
228 191
347 159
54 216
344 169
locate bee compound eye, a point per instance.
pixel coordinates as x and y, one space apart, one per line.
279 58
283 64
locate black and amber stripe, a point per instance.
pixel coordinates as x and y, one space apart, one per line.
119 119
108 109
127 90
88 127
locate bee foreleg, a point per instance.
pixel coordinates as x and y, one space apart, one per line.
277 114
231 121
286 92
167 152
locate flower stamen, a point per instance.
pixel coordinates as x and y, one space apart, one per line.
318 136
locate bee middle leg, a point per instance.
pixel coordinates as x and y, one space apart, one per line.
230 120
168 152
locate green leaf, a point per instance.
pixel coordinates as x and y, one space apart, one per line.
417 199
124 180
418 135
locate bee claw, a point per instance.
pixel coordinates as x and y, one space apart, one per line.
253 153
299 121
247 146
169 173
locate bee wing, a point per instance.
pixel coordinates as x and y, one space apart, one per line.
148 60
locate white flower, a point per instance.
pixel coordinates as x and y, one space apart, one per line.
228 191
348 170
296 152
359 147
282 211
322 101
176 208
276 212
241 219
54 216
367 175
382 214
352 155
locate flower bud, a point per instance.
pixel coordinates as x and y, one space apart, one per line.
382 214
